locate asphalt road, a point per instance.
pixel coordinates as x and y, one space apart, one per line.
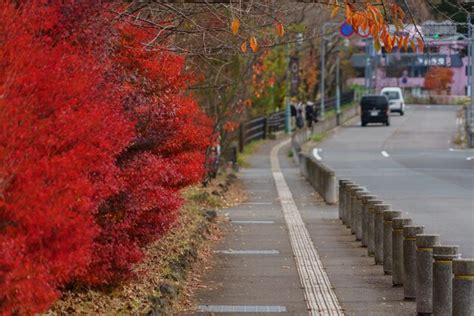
412 166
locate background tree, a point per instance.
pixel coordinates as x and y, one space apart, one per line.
438 79
223 41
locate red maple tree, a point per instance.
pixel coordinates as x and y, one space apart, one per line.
438 79
97 139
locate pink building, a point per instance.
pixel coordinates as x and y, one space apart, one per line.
407 70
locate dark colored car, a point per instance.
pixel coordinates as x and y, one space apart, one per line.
374 109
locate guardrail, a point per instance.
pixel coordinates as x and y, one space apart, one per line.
322 179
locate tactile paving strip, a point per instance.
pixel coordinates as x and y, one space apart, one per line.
320 297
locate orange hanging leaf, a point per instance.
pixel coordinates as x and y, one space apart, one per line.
373 11
348 12
413 45
397 41
394 9
280 29
405 43
388 43
243 47
253 44
421 44
235 25
377 45
401 13
334 11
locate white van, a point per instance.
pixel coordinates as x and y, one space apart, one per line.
395 98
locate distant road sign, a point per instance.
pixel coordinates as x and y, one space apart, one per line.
346 30
435 29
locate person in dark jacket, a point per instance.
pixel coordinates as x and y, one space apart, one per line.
299 118
309 114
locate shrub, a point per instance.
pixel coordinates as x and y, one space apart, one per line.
97 139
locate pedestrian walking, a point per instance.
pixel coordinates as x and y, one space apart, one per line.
293 115
299 118
309 114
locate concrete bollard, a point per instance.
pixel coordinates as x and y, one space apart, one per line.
366 199
388 216
354 206
343 197
397 249
347 186
361 196
463 287
357 214
371 226
348 206
424 272
331 187
378 232
409 260
443 278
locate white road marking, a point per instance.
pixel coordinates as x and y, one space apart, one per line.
428 106
384 153
316 154
470 158
319 294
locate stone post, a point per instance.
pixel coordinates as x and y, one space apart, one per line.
388 216
397 249
409 260
354 208
443 279
357 221
463 287
365 218
343 183
424 272
378 232
331 187
371 226
348 208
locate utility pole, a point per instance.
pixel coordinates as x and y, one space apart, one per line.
338 90
369 52
323 61
287 97
469 59
470 112
323 55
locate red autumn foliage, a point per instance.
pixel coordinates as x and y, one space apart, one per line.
438 79
97 139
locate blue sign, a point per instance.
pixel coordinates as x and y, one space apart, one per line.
346 29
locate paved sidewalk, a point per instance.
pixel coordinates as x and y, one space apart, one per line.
256 269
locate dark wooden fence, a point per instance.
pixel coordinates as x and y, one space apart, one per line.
330 103
260 127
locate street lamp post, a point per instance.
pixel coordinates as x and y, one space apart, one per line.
323 61
470 118
338 90
322 87
288 85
